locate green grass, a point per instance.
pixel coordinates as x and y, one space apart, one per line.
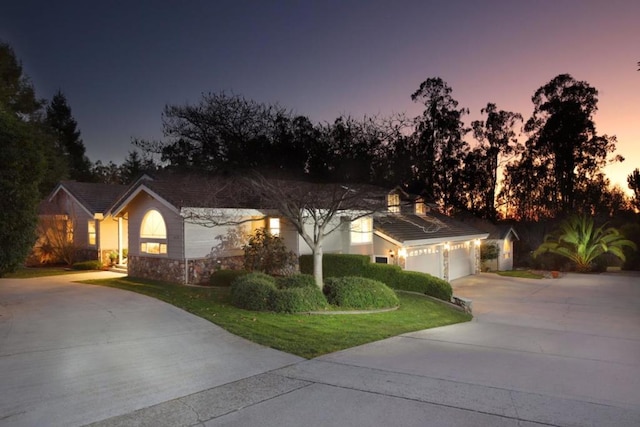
301 334
31 272
520 273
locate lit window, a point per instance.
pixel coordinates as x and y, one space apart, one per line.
421 209
393 202
91 226
153 233
153 248
361 230
153 226
274 226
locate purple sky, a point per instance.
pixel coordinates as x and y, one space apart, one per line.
120 62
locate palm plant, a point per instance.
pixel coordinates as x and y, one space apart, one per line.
580 241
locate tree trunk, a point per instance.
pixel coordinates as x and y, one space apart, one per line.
317 266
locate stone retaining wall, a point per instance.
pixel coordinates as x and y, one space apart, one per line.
173 270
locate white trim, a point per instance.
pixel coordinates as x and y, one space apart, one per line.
122 205
428 242
61 187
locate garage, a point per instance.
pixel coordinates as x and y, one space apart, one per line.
425 260
429 242
460 260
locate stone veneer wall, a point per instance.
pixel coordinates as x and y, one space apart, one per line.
173 270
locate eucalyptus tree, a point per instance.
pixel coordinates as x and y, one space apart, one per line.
497 136
633 181
438 144
563 151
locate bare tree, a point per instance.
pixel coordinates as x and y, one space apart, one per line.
315 210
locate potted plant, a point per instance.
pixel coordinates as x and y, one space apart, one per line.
113 257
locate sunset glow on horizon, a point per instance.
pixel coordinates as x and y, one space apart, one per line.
120 64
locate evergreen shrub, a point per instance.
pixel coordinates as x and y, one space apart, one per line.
424 283
359 293
225 277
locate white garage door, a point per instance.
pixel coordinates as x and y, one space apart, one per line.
459 261
424 263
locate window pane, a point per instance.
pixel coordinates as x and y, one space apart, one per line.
91 226
274 226
153 226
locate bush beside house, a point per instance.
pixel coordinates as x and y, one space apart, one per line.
299 293
335 265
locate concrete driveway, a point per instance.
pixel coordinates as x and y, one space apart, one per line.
562 352
72 354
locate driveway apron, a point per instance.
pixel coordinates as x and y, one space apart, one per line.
72 354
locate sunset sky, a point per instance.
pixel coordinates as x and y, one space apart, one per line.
120 62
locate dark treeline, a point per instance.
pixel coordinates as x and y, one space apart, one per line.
543 167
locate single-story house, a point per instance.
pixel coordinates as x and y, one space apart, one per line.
181 227
77 214
418 237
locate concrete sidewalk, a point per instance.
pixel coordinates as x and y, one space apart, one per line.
553 353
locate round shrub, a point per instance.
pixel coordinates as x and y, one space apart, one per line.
225 277
298 299
359 293
253 291
424 283
296 281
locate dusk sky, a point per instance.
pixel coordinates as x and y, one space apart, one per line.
120 62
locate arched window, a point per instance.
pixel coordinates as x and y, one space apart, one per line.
153 234
153 226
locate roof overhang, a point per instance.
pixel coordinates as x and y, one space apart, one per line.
434 241
120 207
60 187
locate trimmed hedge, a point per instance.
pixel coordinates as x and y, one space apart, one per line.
388 274
88 265
296 300
296 281
334 265
253 291
225 277
261 292
425 284
359 293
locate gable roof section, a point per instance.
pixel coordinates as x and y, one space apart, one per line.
496 231
413 230
94 198
193 191
181 191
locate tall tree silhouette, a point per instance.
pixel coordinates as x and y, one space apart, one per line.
563 153
21 161
68 143
633 181
439 144
497 137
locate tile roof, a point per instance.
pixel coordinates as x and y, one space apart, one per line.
496 231
407 228
210 191
95 197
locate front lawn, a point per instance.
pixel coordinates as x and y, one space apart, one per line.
31 272
301 334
